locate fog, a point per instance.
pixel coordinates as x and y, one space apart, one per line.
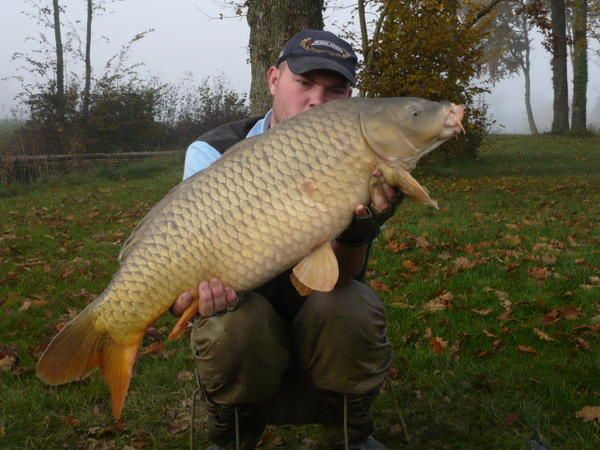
189 38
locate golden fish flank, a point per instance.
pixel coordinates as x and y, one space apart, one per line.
276 200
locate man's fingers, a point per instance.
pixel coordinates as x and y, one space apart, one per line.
181 304
361 211
206 303
231 297
218 293
379 199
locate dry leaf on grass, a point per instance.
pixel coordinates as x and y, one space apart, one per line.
589 413
527 349
539 273
410 266
185 375
440 303
379 286
438 344
543 336
464 263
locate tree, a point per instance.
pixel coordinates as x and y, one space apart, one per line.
271 25
431 49
508 49
560 121
88 60
580 67
60 66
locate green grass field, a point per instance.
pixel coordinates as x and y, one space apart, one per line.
493 306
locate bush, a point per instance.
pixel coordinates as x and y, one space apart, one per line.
426 50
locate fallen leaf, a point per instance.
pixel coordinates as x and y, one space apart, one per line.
7 363
582 344
379 286
185 375
72 421
464 263
569 312
511 419
513 240
422 242
489 334
271 439
482 312
506 315
527 349
444 256
397 247
438 344
440 303
156 348
539 273
26 305
395 429
589 413
410 266
543 336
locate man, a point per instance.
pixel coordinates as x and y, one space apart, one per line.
275 356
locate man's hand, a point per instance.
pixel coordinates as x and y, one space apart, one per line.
368 219
384 198
213 297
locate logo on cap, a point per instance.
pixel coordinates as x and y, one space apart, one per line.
331 48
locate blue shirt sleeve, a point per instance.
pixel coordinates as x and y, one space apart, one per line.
198 157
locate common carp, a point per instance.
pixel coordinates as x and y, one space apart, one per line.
271 202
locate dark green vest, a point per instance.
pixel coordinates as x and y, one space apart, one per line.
229 134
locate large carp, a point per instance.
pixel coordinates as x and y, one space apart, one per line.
272 202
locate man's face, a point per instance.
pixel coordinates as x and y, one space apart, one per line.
293 94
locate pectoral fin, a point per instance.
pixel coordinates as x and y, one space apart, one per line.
403 180
318 271
301 288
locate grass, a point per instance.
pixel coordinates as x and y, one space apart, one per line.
474 292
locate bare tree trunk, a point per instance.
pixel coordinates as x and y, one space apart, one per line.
580 67
526 72
271 25
560 121
88 59
60 66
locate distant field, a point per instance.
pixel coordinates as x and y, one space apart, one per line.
493 306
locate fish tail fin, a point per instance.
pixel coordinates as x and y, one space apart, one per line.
79 348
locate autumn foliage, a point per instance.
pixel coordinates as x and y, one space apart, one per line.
431 49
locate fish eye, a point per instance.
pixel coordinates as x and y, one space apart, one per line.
415 111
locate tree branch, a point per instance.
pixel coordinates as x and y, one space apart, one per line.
484 12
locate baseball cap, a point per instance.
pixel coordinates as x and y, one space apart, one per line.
319 50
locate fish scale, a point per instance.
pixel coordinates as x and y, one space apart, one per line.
270 202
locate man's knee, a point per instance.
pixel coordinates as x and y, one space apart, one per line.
241 354
342 341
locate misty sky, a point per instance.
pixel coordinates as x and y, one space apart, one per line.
189 38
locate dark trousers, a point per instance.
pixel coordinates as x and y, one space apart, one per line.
336 342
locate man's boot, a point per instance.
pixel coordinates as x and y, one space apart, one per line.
353 421
233 427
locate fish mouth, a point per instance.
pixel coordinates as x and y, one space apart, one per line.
453 121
